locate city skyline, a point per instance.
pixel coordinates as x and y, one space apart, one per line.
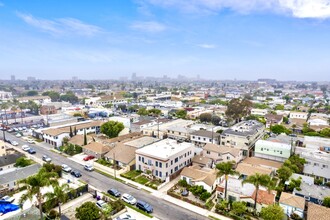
216 39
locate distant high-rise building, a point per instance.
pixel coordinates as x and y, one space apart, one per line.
31 78
74 78
12 78
133 76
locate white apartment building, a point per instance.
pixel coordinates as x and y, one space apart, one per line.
298 115
272 150
164 158
257 111
243 136
317 163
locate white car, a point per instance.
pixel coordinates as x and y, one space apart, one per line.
14 143
25 147
101 204
126 216
7 199
46 158
88 167
128 198
30 141
66 168
18 135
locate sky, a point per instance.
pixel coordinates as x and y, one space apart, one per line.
215 39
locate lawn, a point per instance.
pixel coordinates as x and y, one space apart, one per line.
141 179
131 174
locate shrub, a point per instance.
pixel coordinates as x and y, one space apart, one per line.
53 214
182 183
204 196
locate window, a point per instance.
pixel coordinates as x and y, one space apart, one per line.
219 154
142 159
160 174
204 139
166 165
210 140
176 168
228 158
199 138
280 152
149 162
208 152
176 160
156 173
171 171
179 133
193 137
160 164
316 164
171 162
156 163
325 166
139 158
166 174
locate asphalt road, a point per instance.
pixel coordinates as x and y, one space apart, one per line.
162 209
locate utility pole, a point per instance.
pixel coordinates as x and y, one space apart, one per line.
3 129
114 164
212 135
158 126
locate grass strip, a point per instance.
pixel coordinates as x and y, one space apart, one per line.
109 175
212 217
60 153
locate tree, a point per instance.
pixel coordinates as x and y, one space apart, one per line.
69 97
325 132
258 180
155 112
181 113
294 183
14 109
215 120
142 111
23 162
55 96
112 128
238 109
34 185
279 129
284 173
239 208
85 137
279 107
205 117
133 108
226 168
326 202
122 107
272 212
59 195
88 211
5 106
75 130
71 134
32 93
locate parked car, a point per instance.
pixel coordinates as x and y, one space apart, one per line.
144 206
30 141
76 173
31 151
46 158
89 157
25 147
18 135
128 198
14 143
126 216
7 199
66 168
10 130
88 167
101 204
114 192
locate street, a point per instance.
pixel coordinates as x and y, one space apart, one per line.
162 209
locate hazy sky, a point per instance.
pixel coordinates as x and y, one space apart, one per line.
217 39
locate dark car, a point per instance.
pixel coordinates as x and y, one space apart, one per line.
76 173
31 151
144 206
114 192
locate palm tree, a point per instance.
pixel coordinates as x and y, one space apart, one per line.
21 107
34 185
258 180
59 195
226 168
5 106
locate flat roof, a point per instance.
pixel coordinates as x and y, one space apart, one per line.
164 149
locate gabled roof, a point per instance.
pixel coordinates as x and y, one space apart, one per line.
122 153
262 162
317 212
222 149
264 197
205 133
97 147
79 139
292 200
199 175
248 169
